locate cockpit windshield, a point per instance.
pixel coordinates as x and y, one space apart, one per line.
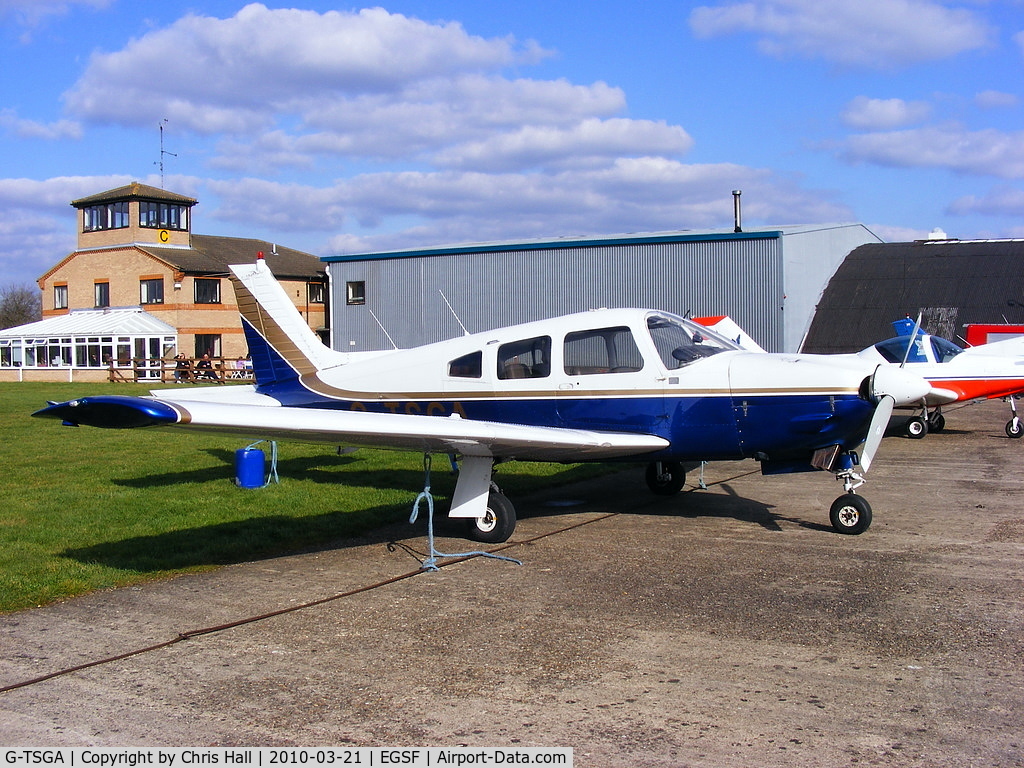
896 351
680 341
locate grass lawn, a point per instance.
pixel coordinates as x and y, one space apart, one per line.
84 509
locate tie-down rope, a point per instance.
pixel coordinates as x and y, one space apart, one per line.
430 564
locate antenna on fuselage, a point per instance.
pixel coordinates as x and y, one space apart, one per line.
454 314
379 323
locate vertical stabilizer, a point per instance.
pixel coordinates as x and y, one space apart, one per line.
282 346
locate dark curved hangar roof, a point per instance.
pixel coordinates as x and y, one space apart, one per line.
950 282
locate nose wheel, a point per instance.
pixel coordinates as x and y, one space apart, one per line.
850 514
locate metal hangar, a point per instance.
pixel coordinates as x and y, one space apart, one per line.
948 282
768 280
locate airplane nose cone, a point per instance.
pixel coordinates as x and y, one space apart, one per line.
900 384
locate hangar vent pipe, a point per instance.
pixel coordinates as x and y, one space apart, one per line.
737 218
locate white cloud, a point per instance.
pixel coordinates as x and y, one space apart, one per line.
999 201
987 152
628 195
472 104
996 100
427 118
589 142
883 114
31 13
288 88
231 74
53 194
31 129
324 96
867 33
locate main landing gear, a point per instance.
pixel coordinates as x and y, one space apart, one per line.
665 478
1014 427
498 522
925 423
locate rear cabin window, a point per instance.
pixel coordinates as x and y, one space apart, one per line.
602 350
469 366
526 359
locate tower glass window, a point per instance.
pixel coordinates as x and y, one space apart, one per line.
105 216
163 215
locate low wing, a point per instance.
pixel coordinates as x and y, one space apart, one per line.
1013 347
378 430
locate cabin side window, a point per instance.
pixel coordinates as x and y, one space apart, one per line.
469 366
944 350
526 359
602 350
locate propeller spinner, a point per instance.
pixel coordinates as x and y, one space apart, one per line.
888 387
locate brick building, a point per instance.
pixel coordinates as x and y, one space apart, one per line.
136 250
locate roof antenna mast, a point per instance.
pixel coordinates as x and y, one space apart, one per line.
162 153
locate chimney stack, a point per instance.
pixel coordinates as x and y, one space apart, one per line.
736 210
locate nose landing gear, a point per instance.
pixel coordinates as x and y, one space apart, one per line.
850 513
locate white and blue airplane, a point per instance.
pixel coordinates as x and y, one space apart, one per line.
610 384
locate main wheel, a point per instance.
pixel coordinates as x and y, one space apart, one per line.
1014 428
665 478
936 422
850 514
917 428
498 522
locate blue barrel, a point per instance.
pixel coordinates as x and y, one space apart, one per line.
250 466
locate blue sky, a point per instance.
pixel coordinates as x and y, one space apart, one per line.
340 129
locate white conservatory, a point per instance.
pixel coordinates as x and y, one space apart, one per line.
70 347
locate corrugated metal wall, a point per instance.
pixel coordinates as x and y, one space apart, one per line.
741 277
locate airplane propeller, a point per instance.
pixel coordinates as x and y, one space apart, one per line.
879 423
888 387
